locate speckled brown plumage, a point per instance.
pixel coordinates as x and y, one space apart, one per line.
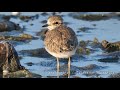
61 39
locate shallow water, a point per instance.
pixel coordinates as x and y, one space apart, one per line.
103 30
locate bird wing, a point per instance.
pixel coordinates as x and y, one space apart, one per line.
69 39
61 39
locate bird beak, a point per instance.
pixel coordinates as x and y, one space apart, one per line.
45 25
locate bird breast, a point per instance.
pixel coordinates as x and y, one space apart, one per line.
61 40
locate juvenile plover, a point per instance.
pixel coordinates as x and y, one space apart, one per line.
60 41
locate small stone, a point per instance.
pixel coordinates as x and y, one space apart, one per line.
30 63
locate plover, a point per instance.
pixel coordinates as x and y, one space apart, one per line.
60 40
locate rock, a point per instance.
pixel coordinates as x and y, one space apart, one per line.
18 74
76 77
112 54
1 75
95 40
34 75
85 29
116 75
109 59
29 63
25 18
5 17
90 67
27 36
91 74
40 52
110 47
91 17
21 37
51 76
28 18
8 26
95 43
44 21
65 75
9 59
83 51
22 74
44 14
94 25
83 43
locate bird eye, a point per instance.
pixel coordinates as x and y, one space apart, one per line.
56 23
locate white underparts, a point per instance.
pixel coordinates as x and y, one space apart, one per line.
62 55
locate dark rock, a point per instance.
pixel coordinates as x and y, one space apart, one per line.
91 74
109 59
40 52
29 63
19 74
25 18
95 43
116 75
111 47
44 14
9 59
8 26
83 51
44 21
91 17
94 25
21 37
83 44
85 29
90 67
31 24
22 74
115 54
28 18
65 75
27 36
76 77
51 76
34 75
5 17
36 16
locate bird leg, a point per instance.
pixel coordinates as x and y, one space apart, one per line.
58 68
69 67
